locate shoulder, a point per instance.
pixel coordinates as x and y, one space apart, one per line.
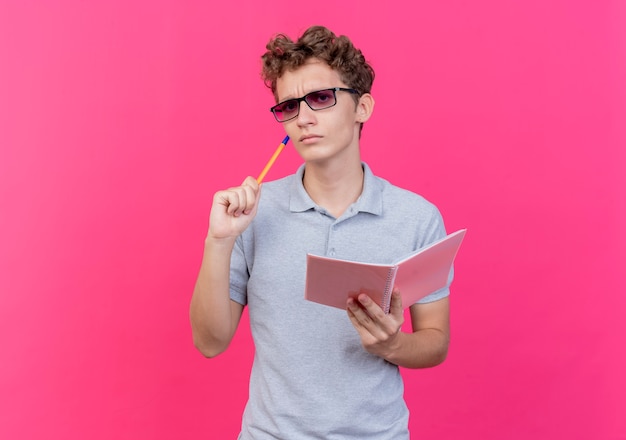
276 199
277 189
410 211
404 199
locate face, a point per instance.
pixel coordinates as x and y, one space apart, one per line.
323 135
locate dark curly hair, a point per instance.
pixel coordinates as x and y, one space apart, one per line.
321 43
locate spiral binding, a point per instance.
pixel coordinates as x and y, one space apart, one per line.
388 290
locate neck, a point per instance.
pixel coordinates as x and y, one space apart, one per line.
334 187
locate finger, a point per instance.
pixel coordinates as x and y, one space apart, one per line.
359 319
356 312
252 198
251 182
371 307
235 201
240 199
252 191
366 317
396 304
228 199
383 325
351 315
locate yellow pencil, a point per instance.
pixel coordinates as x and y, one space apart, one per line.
272 159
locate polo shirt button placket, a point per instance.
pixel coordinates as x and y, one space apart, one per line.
331 239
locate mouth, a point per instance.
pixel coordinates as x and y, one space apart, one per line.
307 138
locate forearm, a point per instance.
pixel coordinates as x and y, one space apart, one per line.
214 317
423 348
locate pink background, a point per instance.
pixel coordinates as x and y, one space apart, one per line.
118 121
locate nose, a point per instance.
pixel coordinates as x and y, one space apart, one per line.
306 116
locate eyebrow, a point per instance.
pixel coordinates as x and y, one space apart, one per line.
290 97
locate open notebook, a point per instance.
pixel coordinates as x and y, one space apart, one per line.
331 281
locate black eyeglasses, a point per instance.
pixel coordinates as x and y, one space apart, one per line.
318 100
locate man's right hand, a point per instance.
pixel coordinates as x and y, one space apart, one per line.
233 210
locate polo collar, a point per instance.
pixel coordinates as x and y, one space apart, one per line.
370 200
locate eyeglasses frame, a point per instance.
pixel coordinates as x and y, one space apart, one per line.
303 98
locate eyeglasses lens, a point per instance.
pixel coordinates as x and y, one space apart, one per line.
318 100
321 99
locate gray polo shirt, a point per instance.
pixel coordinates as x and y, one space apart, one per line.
311 377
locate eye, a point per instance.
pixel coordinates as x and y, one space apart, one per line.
289 106
320 98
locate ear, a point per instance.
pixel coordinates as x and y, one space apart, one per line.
364 107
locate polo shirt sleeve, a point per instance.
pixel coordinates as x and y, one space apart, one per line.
239 274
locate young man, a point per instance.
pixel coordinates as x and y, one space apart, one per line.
318 372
